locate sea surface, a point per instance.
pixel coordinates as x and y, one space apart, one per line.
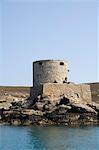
49 138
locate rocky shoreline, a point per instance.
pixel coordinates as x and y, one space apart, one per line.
44 111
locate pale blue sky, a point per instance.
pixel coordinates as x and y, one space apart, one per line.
31 30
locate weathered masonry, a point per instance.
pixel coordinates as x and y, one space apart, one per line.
49 71
50 78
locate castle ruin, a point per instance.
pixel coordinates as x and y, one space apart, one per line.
51 100
50 78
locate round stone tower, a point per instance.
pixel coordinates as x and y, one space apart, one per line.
49 71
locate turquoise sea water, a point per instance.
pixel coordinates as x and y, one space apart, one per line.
49 138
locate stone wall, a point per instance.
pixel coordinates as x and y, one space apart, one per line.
49 71
85 92
36 91
94 91
76 92
80 92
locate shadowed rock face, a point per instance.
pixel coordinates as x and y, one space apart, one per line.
64 101
45 111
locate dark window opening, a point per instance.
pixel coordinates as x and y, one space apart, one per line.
77 95
68 82
66 79
40 63
61 63
55 81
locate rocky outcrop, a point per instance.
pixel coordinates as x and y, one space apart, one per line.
81 108
94 106
44 111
